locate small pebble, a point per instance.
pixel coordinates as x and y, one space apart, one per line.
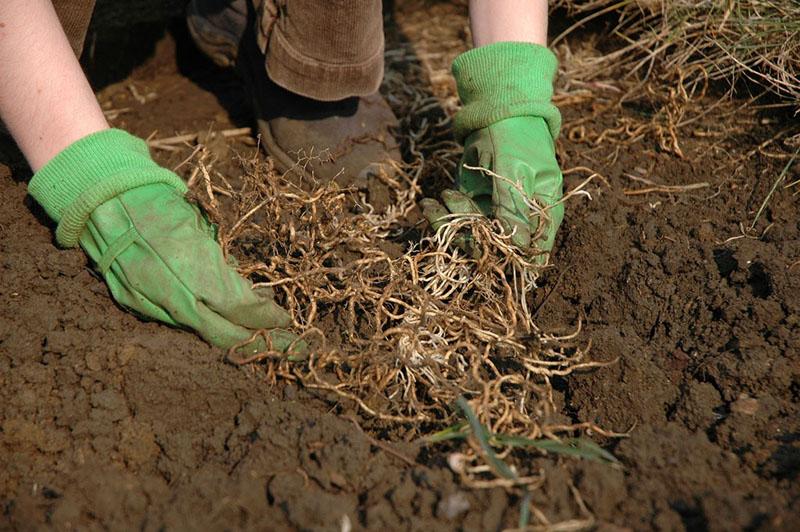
457 462
290 392
452 505
745 405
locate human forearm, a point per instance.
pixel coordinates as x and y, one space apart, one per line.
45 100
508 20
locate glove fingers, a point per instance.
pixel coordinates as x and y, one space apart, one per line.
555 215
135 301
519 230
460 203
434 211
251 309
221 288
214 328
510 206
220 332
213 281
288 342
279 340
150 288
547 190
513 219
466 243
475 183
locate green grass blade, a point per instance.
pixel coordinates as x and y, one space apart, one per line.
456 432
774 186
482 435
525 509
580 447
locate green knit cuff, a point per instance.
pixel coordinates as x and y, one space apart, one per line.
90 172
505 80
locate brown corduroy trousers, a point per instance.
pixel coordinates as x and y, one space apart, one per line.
322 49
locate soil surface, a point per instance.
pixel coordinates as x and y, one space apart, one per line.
109 422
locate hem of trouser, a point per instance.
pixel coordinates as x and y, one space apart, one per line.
314 79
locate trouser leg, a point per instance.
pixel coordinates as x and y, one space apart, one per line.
312 69
75 16
323 49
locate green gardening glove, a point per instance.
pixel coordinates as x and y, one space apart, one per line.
508 125
155 250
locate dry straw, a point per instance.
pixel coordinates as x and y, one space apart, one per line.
696 41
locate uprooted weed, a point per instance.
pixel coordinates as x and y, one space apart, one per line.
400 333
403 325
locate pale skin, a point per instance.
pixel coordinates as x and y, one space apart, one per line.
47 103
508 20
45 100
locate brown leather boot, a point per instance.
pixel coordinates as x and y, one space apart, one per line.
350 138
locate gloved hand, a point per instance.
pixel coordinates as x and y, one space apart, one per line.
155 250
508 125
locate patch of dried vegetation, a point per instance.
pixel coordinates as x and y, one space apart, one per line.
401 333
696 42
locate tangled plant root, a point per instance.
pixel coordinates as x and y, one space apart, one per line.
406 333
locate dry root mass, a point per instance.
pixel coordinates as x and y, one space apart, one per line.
401 333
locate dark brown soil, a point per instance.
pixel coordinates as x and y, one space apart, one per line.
108 422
